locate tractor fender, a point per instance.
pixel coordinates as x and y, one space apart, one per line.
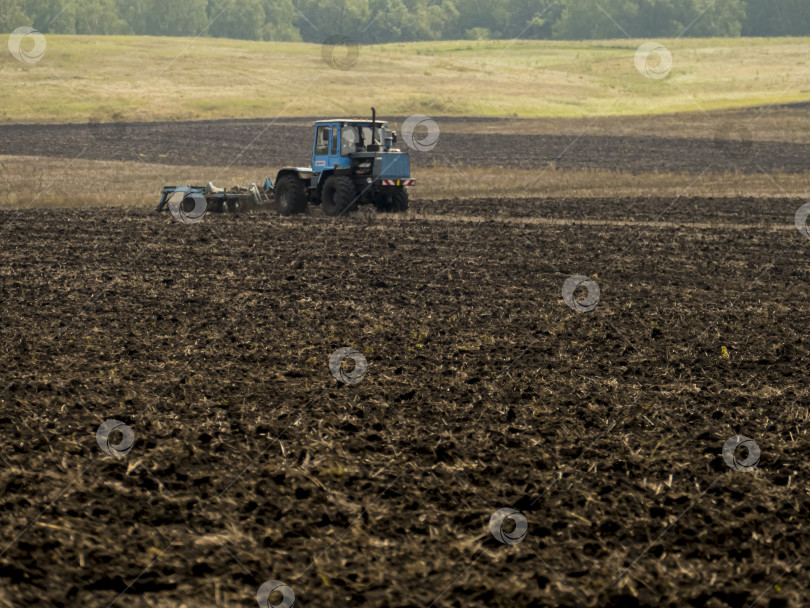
326 174
303 173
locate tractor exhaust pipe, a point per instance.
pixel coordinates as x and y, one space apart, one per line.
374 146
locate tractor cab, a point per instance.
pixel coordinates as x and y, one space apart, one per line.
336 141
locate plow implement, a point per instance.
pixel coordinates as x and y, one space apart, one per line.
196 201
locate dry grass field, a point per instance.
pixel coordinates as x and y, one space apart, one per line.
44 182
146 79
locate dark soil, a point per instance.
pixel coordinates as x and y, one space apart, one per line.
689 210
484 390
256 143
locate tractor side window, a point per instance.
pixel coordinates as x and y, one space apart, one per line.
348 140
334 141
368 139
322 141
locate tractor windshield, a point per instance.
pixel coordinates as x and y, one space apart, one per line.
354 138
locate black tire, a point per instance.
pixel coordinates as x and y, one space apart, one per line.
339 195
290 195
382 201
399 199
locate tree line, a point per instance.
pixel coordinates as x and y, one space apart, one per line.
380 21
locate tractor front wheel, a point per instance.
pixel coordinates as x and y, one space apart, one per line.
290 195
339 195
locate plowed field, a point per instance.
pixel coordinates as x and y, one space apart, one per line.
277 143
484 390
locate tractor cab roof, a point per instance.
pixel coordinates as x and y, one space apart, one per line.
365 121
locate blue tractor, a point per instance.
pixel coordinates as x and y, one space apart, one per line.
353 162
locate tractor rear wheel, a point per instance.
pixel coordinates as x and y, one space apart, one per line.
391 200
399 199
339 195
290 195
